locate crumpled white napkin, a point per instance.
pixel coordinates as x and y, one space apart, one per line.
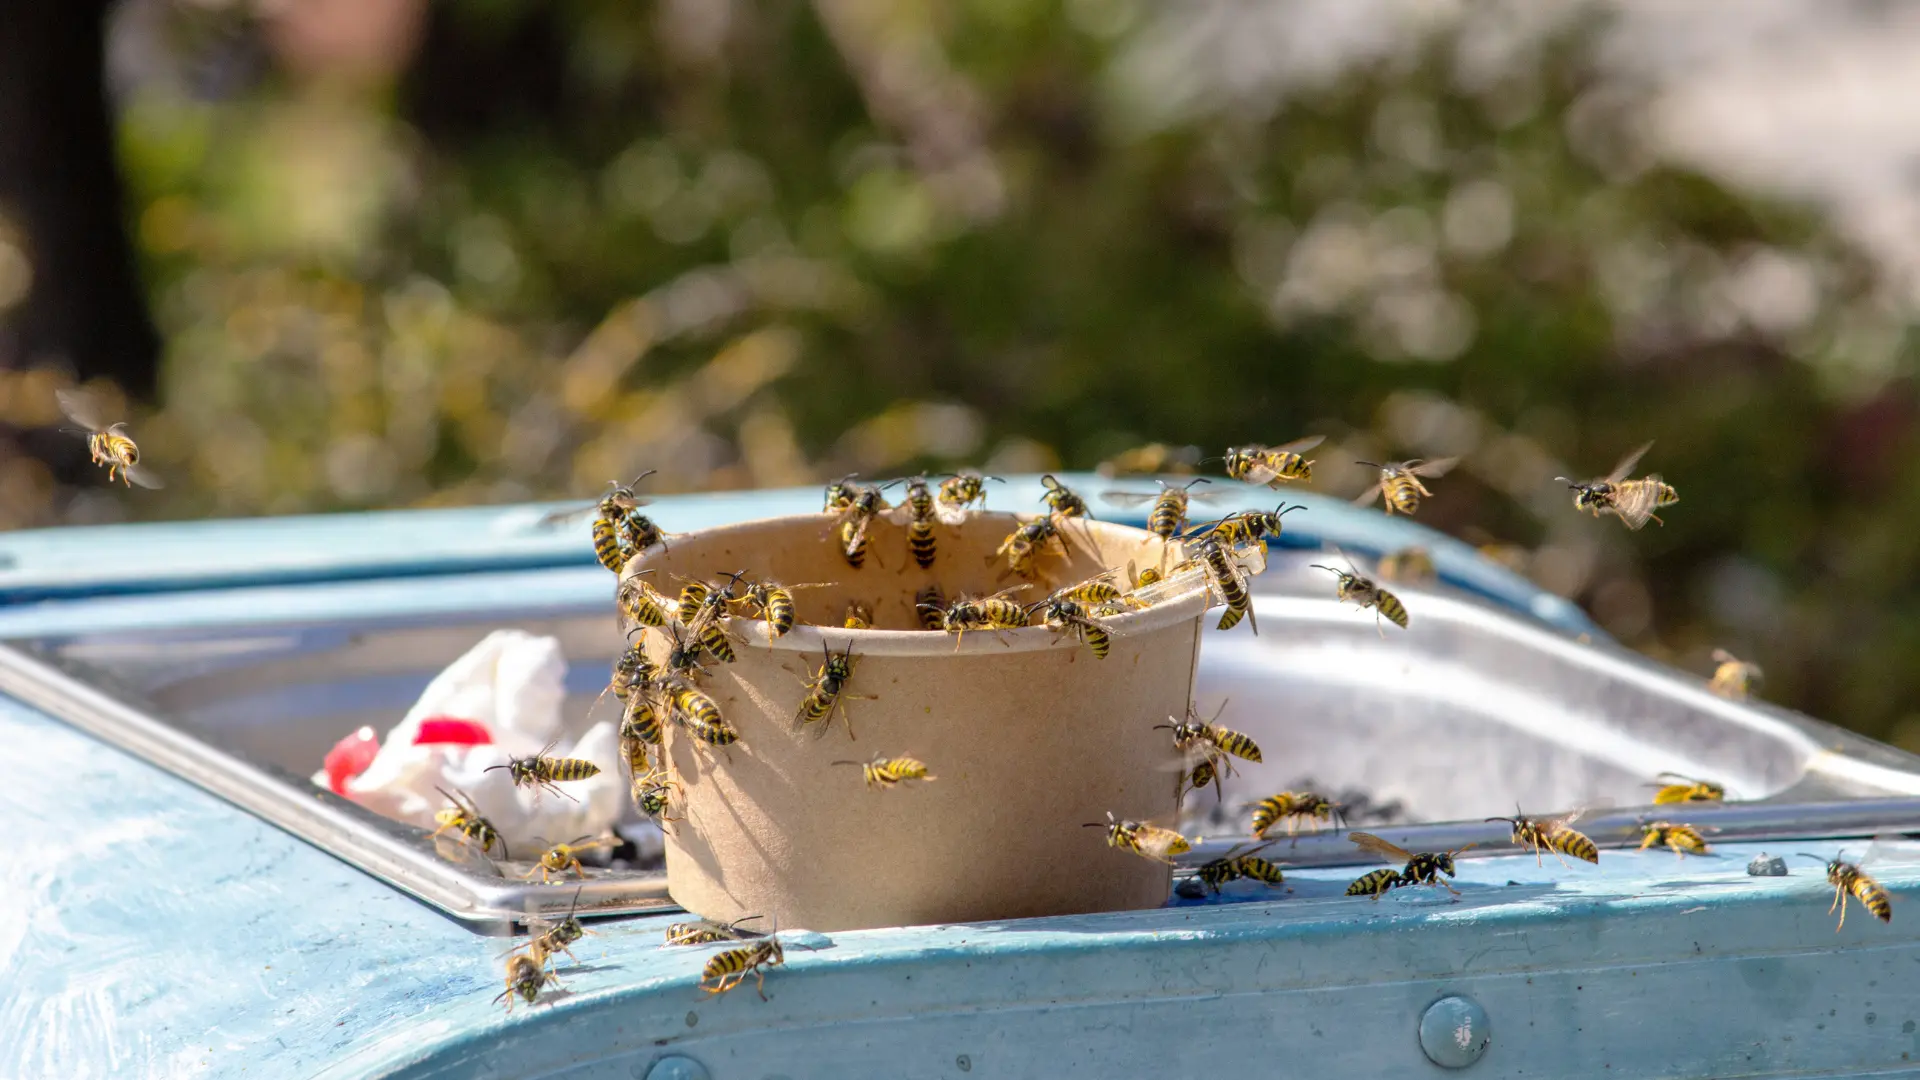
514 683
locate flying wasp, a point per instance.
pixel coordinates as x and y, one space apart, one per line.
774 603
1425 868
1687 789
921 514
707 932
1151 459
885 772
1064 616
930 604
1683 840
1237 864
731 967
1848 879
1400 482
543 772
994 612
1147 841
464 818
1551 834
962 491
1733 677
561 858
1294 807
1632 501
1272 465
827 690
1408 565
108 445
1195 732
1365 593
1245 526
1229 578
609 518
527 975
1169 514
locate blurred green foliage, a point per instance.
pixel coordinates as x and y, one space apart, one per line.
765 244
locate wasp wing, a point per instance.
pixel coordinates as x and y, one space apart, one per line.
1259 473
1627 463
1298 446
1373 492
1634 501
143 476
1375 846
1129 498
1162 844
80 407
1240 851
462 850
1436 467
557 516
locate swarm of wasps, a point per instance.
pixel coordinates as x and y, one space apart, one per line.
696 622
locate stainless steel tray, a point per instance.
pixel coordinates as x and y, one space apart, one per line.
1454 720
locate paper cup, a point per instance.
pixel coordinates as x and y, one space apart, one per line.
1028 737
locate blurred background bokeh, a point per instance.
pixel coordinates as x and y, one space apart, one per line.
338 254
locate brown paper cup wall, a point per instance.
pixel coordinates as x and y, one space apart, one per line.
1027 737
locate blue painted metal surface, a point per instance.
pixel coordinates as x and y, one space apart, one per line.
148 929
153 931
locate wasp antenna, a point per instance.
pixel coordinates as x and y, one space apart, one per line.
1375 464
849 763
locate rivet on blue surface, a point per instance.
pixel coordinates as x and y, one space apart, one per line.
675 1067
1455 1032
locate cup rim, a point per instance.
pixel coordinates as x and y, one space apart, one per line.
1187 606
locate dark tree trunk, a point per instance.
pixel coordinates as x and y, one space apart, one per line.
60 185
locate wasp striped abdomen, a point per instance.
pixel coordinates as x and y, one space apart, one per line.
701 716
1374 882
